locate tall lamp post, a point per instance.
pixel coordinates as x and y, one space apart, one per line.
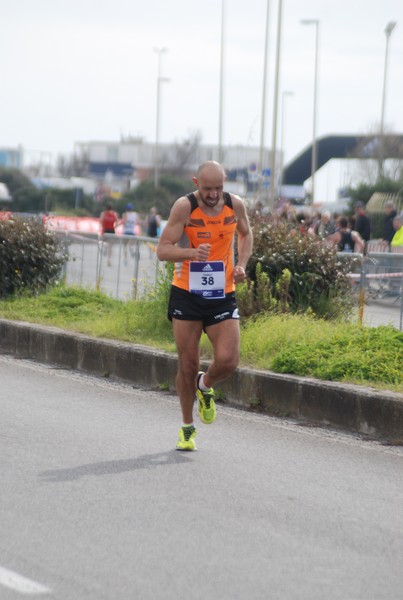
273 178
314 161
388 30
160 80
285 94
221 101
263 118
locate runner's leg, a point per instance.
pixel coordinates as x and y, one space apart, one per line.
225 339
187 337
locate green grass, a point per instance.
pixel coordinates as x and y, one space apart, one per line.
298 344
95 314
351 354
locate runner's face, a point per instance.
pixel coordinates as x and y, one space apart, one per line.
210 186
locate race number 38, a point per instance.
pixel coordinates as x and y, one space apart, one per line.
207 279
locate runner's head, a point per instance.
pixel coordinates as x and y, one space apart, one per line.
210 182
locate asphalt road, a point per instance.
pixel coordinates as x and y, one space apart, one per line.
96 504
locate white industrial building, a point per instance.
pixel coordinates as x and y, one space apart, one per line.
135 159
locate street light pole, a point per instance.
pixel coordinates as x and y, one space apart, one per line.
286 94
221 107
314 161
388 30
160 80
273 178
263 118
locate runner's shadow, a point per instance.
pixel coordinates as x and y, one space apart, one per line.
114 467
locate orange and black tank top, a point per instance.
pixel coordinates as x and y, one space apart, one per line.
218 231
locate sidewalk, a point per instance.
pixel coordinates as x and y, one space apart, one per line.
378 414
382 313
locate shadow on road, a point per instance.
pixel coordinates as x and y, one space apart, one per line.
114 467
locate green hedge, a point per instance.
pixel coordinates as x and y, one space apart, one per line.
293 272
31 258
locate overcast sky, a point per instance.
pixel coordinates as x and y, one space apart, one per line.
81 70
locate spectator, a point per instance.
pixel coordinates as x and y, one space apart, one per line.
324 227
346 239
388 228
396 245
258 210
362 222
153 222
397 240
304 223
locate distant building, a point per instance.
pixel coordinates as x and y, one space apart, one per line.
11 158
133 160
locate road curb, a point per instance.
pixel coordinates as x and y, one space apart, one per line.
353 408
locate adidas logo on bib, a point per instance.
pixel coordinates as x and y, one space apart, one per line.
207 268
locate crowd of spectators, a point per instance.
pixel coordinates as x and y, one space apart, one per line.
350 233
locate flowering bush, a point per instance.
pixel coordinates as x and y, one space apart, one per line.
301 274
30 257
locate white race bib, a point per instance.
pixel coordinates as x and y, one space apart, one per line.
207 279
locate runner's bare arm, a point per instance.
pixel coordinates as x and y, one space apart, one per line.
244 241
167 249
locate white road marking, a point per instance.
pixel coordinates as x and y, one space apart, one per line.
21 584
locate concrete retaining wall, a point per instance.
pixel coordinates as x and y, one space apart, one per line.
348 407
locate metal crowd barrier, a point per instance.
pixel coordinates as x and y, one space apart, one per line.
127 267
123 266
378 279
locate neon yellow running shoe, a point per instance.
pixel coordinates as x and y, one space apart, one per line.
206 404
186 440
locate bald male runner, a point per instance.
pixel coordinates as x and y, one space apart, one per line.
199 239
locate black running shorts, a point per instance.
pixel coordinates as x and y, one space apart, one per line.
185 306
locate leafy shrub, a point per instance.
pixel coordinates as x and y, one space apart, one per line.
29 199
292 271
159 292
255 297
30 257
15 179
